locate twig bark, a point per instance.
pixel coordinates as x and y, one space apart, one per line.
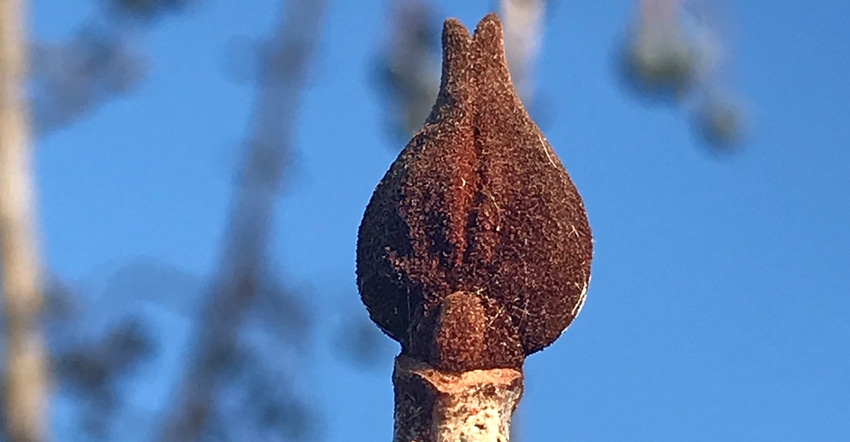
25 377
436 406
251 218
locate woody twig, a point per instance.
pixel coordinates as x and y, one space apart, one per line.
474 251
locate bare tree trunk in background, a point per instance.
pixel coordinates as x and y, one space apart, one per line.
25 377
251 218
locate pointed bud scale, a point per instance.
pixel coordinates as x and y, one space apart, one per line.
475 248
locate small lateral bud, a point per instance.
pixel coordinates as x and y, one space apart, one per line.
475 248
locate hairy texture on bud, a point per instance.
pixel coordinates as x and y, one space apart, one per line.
475 248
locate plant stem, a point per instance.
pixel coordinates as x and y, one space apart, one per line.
435 406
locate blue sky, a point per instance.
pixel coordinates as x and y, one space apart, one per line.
718 308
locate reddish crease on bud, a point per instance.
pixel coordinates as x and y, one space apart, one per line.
475 248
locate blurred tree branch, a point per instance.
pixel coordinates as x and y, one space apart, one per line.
74 78
673 53
524 28
246 244
25 378
407 71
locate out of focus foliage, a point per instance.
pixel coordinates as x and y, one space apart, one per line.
71 79
408 67
146 10
674 53
660 62
111 345
721 123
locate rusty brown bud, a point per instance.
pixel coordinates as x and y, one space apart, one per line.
475 248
